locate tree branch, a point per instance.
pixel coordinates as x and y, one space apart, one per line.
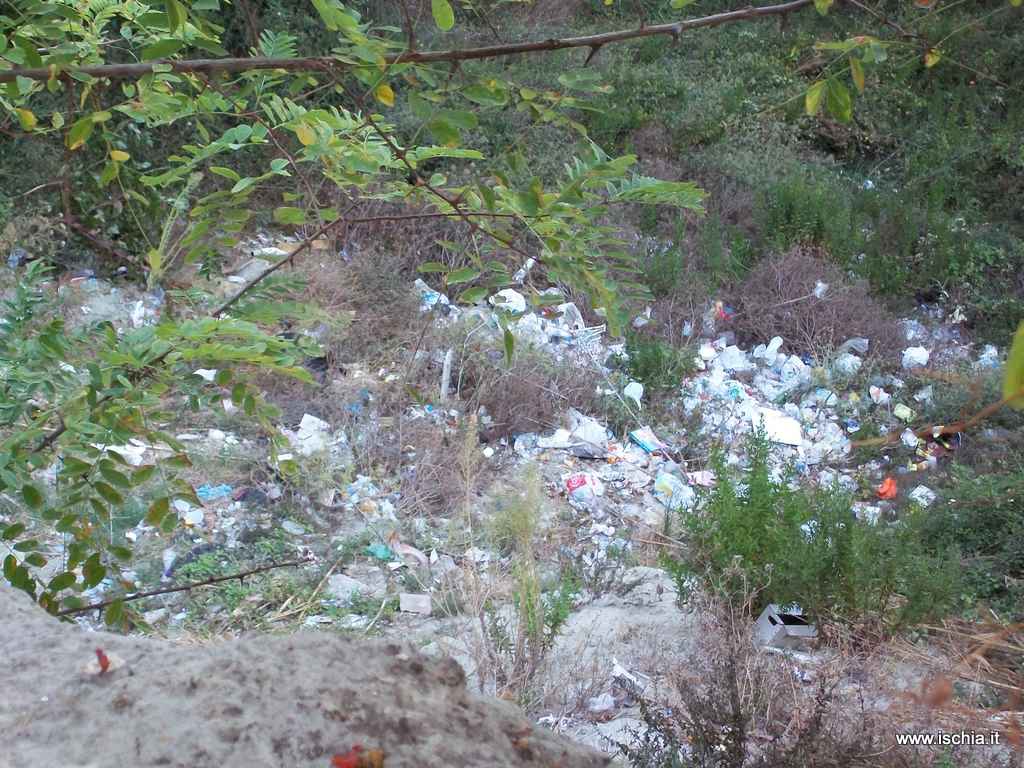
183 588
246 64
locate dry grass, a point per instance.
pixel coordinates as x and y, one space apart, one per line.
737 706
529 395
975 679
778 298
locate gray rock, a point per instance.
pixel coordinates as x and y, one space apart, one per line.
343 588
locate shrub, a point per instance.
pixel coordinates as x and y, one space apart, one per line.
735 707
805 546
984 517
659 366
778 298
530 394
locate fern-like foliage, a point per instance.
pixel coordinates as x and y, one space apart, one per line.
277 45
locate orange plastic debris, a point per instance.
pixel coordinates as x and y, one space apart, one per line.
887 490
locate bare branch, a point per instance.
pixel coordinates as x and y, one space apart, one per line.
247 64
183 588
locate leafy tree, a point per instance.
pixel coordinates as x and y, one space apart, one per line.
103 77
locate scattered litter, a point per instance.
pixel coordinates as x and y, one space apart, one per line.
888 489
924 395
209 374
168 557
704 478
734 360
909 439
673 492
509 300
781 428
915 357
16 258
787 630
903 413
380 552
634 391
292 527
207 492
922 495
583 488
646 439
989 357
312 436
603 703
846 364
878 395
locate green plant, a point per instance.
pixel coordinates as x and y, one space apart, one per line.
78 396
983 516
518 638
805 546
657 365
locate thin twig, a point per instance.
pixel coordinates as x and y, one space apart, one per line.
183 588
251 63
939 430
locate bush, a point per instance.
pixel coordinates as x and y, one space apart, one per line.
984 517
529 395
778 298
805 546
659 366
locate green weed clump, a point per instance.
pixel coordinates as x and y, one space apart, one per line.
659 366
791 544
983 515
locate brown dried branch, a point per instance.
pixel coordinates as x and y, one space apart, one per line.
182 588
250 63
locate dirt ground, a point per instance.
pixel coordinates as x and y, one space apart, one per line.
292 700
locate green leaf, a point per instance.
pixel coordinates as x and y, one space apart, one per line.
510 346
12 531
444 16
98 507
112 476
176 15
113 614
36 560
444 132
1013 381
473 295
812 101
432 266
677 4
839 101
289 215
32 496
109 494
161 49
26 545
61 581
93 571
79 133
157 511
464 275
823 6
227 173
857 72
